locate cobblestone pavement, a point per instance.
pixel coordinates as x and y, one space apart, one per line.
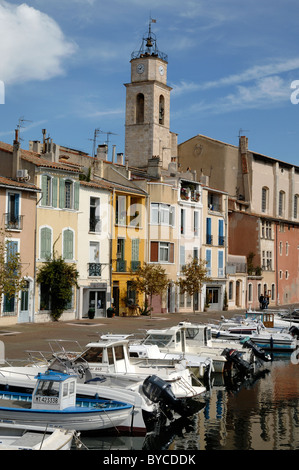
23 337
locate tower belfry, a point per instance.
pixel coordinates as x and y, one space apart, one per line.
148 105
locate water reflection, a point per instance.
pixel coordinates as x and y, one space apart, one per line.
261 413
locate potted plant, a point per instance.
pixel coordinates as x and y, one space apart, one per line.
91 313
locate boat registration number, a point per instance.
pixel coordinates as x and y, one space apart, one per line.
49 400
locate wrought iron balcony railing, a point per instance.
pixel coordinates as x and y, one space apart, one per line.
94 269
13 222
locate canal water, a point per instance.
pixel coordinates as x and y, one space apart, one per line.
261 413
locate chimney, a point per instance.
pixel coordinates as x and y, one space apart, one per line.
16 155
154 167
102 152
113 153
120 159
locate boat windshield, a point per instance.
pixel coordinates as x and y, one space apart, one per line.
93 354
48 388
158 340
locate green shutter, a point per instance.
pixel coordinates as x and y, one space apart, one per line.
45 243
76 195
44 190
68 244
54 191
61 193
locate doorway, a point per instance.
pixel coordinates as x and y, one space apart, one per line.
97 301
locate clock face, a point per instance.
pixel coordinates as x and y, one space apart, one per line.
161 70
140 68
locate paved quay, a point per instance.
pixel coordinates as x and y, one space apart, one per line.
23 337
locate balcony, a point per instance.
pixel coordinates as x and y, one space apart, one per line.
95 225
209 239
221 240
121 266
13 222
94 269
135 265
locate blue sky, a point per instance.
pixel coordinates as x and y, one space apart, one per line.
230 64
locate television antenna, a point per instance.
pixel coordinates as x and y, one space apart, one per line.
20 125
96 133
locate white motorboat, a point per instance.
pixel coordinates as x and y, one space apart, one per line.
16 438
110 359
259 328
54 404
191 341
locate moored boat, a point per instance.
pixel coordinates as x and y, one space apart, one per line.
53 404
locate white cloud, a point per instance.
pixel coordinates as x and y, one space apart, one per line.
32 45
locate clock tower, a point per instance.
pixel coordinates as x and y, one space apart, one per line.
148 106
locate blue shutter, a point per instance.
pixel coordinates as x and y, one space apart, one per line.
208 259
220 233
61 193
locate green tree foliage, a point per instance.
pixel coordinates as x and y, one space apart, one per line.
150 279
194 275
58 277
11 280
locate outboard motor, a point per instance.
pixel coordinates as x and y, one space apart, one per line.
294 331
159 391
257 351
235 357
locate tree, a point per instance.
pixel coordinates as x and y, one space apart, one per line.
58 277
194 275
11 280
151 280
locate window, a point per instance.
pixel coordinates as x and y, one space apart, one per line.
135 263
209 237
45 303
281 203
182 256
296 206
208 260
45 242
196 252
183 223
121 210
140 108
162 252
273 292
94 215
161 110
230 290
249 292
220 233
195 221
25 296
280 248
13 218
220 264
162 214
68 194
121 262
265 196
49 191
68 244
94 259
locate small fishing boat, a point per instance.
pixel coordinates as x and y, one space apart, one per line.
53 404
17 438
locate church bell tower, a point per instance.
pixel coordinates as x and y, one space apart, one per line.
147 132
